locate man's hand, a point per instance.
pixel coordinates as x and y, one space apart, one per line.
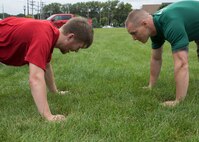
170 103
55 118
147 87
63 92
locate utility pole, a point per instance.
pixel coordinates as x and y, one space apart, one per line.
28 7
38 11
24 8
68 9
41 9
32 4
3 16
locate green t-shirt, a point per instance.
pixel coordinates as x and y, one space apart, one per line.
177 23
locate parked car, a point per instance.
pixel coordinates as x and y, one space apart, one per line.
59 19
107 26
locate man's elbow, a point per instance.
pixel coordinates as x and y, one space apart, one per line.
185 66
182 66
35 79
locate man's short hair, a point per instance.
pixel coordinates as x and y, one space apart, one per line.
135 16
82 30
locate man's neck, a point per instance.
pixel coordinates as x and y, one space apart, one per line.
152 26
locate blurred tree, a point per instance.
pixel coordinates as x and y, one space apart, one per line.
96 24
111 12
121 12
4 15
66 8
52 9
20 15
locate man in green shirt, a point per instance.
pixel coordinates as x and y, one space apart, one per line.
177 23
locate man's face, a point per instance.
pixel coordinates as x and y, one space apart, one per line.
140 33
71 45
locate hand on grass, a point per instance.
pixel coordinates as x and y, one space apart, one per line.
57 117
63 92
170 103
147 87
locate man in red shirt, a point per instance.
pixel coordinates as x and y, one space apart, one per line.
29 41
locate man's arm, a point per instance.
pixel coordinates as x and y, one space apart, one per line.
181 73
49 78
50 81
155 66
38 90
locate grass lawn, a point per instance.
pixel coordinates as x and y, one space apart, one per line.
106 102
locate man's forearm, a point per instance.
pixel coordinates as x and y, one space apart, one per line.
155 66
154 71
39 94
182 83
49 78
38 90
181 72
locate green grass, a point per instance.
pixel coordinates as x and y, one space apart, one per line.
106 102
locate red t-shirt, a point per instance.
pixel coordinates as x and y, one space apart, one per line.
24 40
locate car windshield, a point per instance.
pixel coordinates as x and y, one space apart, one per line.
66 17
50 17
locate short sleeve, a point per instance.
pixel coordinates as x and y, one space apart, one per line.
157 41
39 52
176 35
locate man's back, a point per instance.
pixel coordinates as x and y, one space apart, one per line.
24 39
178 23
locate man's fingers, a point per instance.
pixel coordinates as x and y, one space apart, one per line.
63 92
147 87
170 103
58 118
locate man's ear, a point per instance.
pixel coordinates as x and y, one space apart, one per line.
144 22
70 36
